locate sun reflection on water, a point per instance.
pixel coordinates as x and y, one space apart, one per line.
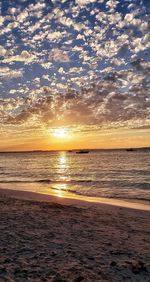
61 189
62 171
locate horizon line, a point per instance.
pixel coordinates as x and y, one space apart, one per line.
67 150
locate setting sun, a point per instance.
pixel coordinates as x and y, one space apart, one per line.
60 132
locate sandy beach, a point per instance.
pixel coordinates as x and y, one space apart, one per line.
44 239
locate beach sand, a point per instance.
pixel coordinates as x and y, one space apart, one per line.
44 238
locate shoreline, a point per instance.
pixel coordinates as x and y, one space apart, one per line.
72 199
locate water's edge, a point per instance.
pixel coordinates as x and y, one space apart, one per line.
70 199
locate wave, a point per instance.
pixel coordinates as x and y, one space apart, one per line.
114 184
114 196
79 189
47 181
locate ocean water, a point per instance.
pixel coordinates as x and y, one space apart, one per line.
112 174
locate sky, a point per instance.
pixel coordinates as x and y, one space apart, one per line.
74 74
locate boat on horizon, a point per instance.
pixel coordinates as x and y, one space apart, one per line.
82 152
130 150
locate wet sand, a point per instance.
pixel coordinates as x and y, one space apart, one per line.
46 238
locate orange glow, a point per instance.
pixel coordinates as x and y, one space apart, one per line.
45 139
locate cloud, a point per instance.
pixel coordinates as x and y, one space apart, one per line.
3 51
46 65
53 36
112 4
84 2
59 56
61 70
104 102
80 63
24 57
8 73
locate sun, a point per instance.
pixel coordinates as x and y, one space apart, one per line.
60 132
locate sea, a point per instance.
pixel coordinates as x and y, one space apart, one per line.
118 174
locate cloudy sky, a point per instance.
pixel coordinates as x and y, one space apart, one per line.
80 65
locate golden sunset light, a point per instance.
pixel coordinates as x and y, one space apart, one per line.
82 64
60 133
74 140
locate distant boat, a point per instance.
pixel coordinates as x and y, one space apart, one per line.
130 150
82 152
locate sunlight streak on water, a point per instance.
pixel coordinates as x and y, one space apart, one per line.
63 166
